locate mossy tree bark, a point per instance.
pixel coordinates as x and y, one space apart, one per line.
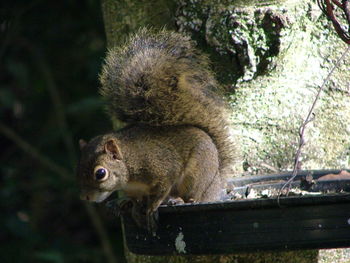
123 17
271 57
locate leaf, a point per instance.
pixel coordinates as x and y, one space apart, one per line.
6 98
343 175
50 256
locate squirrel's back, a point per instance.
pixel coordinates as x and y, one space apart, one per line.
161 79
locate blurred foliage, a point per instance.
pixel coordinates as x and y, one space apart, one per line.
50 56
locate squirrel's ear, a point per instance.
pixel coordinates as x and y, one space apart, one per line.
82 144
111 147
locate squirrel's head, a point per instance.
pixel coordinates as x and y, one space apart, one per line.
101 169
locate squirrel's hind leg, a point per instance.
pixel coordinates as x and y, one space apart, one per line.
201 182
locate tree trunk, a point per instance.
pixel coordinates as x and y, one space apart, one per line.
271 56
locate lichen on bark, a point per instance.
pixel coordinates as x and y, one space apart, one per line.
246 37
276 57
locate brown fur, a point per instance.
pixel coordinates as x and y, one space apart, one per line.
177 144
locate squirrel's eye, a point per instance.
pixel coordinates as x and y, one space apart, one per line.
100 173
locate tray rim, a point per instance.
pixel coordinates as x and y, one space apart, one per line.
268 202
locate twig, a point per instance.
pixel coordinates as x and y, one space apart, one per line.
309 118
32 151
49 164
346 8
58 106
271 168
327 8
36 154
106 244
67 137
12 25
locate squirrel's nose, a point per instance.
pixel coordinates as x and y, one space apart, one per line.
94 196
84 197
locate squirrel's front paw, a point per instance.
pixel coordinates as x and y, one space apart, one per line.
145 219
119 206
139 215
152 222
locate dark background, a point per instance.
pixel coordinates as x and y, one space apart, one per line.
50 57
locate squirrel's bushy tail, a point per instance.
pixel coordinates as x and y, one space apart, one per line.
161 79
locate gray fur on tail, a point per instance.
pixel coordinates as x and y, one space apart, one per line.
160 79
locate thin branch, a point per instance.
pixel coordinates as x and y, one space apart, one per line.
309 118
101 230
346 8
33 152
12 23
67 137
58 106
328 9
271 168
49 164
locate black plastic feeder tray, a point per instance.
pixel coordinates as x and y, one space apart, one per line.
248 225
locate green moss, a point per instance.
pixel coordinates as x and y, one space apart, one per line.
247 37
123 17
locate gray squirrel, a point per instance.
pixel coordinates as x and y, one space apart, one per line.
176 143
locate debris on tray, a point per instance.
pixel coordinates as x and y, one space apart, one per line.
307 183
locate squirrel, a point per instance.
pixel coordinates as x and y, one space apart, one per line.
176 143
